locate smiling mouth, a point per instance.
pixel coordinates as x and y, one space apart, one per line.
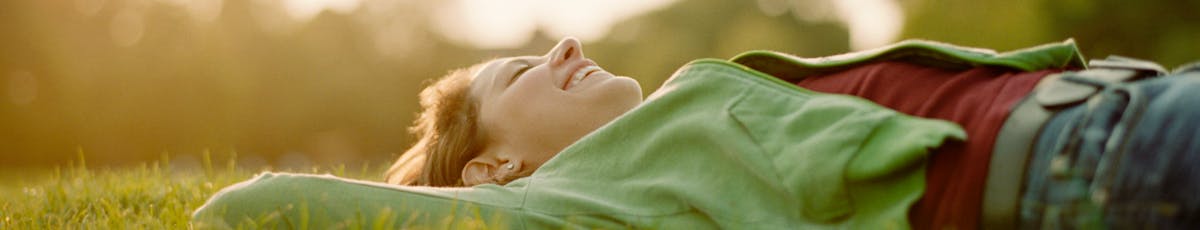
579 75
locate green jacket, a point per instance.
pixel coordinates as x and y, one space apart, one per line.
719 145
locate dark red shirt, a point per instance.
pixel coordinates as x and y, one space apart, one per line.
979 99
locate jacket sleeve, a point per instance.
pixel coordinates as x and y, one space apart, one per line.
834 152
294 201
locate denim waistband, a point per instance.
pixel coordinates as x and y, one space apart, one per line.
1015 139
1127 157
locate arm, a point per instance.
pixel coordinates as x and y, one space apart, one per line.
276 200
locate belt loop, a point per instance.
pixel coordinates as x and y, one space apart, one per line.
1006 171
1115 145
1146 68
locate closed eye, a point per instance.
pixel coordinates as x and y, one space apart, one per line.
518 74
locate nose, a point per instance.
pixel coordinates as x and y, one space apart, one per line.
568 49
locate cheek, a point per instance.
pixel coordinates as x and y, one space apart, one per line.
536 95
533 107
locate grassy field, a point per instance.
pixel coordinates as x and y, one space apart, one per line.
152 195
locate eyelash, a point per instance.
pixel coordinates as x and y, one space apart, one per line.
518 74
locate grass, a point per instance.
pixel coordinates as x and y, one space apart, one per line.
151 195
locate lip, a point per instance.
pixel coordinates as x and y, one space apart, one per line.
580 75
565 80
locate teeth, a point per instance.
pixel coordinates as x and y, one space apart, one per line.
579 74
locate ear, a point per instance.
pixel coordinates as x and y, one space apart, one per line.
481 170
485 169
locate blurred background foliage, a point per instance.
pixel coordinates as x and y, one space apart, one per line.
125 81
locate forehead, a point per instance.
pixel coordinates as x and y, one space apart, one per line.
483 77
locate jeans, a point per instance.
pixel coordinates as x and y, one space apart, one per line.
1127 158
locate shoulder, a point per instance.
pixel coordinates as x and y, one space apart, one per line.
1064 54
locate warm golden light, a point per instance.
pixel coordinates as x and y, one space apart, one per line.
127 27
22 87
872 23
493 24
307 9
317 82
89 7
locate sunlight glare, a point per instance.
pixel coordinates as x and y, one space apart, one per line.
872 23
305 10
487 24
590 20
493 24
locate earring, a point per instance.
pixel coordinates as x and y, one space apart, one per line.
509 166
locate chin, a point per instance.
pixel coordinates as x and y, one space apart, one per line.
614 96
629 89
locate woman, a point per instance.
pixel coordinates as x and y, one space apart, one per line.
716 130
532 109
503 118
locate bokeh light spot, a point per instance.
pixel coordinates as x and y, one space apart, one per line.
872 23
487 24
205 10
89 7
127 27
305 10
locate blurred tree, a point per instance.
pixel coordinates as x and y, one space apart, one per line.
1000 25
651 47
1164 31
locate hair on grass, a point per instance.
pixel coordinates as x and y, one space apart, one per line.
447 134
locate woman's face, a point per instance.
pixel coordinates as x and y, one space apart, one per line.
532 107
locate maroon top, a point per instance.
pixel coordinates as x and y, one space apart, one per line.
979 99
